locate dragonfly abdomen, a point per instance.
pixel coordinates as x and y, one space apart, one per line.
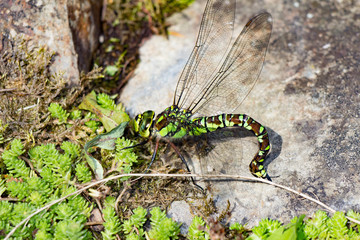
210 124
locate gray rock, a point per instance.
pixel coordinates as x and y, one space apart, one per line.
307 96
70 28
180 212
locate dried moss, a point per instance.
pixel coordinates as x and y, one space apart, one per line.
27 87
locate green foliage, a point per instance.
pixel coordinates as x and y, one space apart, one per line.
316 226
236 226
355 216
83 173
265 228
92 123
162 228
62 221
53 166
71 149
72 230
5 211
42 234
197 229
171 6
112 222
293 230
320 226
105 101
76 114
106 111
111 70
13 163
124 158
58 112
40 190
337 225
136 221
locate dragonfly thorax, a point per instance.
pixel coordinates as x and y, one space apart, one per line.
173 122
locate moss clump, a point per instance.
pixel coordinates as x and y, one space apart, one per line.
28 88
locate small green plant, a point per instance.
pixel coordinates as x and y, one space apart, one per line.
56 179
13 163
162 228
92 121
124 158
105 101
58 112
316 226
112 223
76 114
197 229
133 228
320 226
266 227
83 173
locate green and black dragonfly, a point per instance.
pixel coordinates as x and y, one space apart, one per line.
214 82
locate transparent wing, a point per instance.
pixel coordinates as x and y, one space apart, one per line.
230 82
205 60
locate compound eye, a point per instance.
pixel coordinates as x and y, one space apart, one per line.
148 123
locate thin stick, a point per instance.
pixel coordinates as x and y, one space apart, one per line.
217 176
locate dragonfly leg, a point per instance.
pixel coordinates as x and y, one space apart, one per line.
186 165
136 145
154 155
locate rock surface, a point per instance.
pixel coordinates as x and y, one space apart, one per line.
70 28
308 96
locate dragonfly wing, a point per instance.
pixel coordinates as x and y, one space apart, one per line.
239 72
221 152
214 37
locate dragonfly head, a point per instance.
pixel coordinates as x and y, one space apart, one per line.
143 123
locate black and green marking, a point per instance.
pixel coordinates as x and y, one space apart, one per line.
176 123
208 87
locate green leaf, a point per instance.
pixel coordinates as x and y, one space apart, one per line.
105 141
111 70
109 48
292 231
109 118
279 234
114 40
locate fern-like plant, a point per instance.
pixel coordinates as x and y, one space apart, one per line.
162 228
58 112
62 221
197 229
105 101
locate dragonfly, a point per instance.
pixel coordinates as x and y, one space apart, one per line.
219 74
